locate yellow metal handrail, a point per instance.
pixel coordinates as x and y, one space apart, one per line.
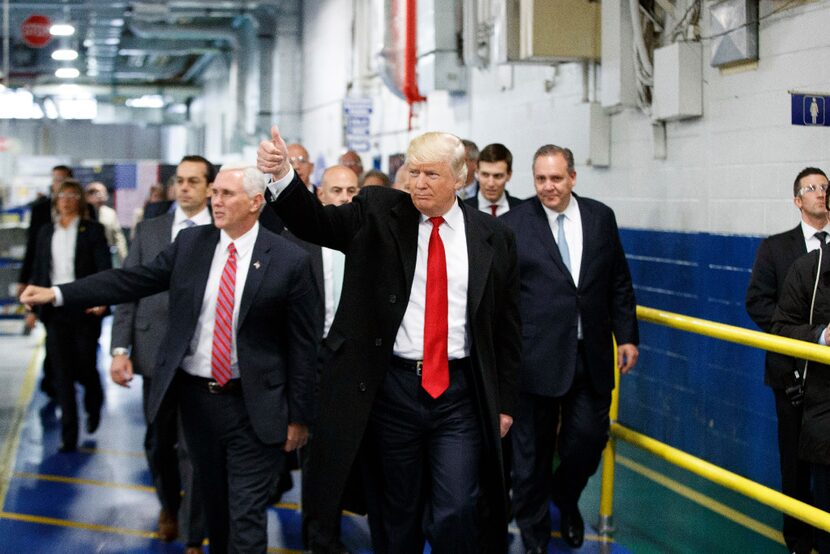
711 472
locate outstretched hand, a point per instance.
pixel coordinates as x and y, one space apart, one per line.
272 155
36 296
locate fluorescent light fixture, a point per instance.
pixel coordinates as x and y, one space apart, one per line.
146 101
112 41
117 22
67 73
62 30
50 108
65 55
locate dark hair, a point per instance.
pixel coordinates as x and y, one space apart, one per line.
553 150
75 186
210 170
806 172
470 148
375 173
497 152
65 168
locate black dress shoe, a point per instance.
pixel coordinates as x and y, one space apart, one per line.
67 448
92 422
572 527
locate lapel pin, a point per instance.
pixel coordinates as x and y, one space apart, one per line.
257 264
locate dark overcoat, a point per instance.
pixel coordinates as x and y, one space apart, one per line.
378 232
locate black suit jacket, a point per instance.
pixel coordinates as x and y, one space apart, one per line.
276 337
316 254
378 232
512 201
773 260
551 301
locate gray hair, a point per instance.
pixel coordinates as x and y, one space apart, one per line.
253 180
553 150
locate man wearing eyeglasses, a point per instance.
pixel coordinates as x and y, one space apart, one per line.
775 256
301 162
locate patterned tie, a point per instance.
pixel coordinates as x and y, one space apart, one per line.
493 209
220 362
435 376
562 243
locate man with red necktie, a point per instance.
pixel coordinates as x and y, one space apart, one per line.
494 169
238 356
418 377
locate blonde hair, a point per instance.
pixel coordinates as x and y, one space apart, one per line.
434 147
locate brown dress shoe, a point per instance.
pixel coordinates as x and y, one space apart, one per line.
168 527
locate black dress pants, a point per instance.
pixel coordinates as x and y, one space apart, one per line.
72 346
795 474
172 470
234 469
581 416
430 453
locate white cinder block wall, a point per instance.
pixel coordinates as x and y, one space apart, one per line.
728 172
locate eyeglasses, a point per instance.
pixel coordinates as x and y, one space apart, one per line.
813 188
69 195
298 160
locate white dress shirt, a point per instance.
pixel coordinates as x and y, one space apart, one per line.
810 240
63 244
409 342
198 357
573 236
201 218
484 204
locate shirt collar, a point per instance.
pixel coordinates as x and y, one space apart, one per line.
502 201
454 218
571 212
243 244
73 225
809 232
201 218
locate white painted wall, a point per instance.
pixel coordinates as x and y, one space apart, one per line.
728 172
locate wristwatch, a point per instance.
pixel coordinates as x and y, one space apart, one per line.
120 351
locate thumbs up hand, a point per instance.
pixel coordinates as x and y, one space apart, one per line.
272 155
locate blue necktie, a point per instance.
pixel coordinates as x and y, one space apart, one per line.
562 243
189 223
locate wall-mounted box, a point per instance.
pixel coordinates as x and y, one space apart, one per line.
678 81
546 31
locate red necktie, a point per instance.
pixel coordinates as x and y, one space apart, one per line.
220 361
493 209
435 376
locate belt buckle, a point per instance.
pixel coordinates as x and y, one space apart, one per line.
214 387
419 366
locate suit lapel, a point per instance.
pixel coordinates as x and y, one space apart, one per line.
591 236
543 231
479 259
259 267
403 226
203 257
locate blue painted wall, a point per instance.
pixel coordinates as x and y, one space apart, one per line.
701 395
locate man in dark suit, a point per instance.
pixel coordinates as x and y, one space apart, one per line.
137 331
470 187
238 356
494 169
772 262
577 298
419 365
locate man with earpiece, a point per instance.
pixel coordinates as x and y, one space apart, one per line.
803 313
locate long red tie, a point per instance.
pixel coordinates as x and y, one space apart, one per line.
493 209
435 377
220 362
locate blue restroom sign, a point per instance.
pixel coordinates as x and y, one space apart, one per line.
810 109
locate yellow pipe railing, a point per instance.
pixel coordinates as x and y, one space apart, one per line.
732 481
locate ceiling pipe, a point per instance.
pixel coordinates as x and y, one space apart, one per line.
212 32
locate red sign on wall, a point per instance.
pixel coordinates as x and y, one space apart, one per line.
35 31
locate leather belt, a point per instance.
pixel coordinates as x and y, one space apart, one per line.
416 366
234 386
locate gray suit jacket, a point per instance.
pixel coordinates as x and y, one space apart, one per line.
142 325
